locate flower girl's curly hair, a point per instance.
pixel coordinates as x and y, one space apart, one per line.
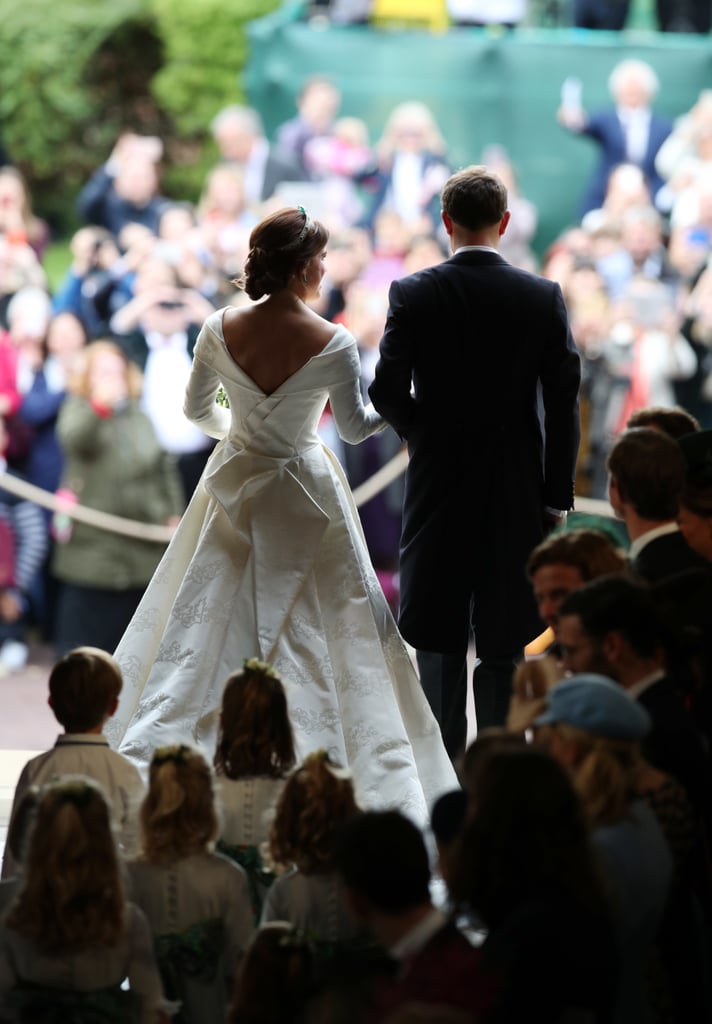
71 898
178 814
255 735
316 799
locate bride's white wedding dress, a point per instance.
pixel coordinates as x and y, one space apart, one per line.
269 561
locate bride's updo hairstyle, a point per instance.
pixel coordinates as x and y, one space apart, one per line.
279 244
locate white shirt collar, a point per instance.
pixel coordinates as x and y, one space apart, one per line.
477 248
645 538
418 937
645 683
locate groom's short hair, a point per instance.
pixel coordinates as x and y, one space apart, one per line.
474 198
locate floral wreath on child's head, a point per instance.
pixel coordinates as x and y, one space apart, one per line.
322 756
178 753
259 668
78 791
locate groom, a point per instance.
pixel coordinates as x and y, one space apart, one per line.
479 373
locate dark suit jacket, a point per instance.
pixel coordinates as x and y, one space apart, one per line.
675 745
477 336
606 130
279 167
444 973
664 557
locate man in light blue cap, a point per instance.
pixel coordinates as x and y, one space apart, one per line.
593 727
597 705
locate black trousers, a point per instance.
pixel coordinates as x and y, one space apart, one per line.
444 681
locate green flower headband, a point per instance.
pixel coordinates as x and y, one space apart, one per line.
177 753
261 668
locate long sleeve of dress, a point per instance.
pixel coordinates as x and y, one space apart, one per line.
354 420
200 406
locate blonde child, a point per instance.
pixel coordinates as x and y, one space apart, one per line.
317 798
196 901
84 688
253 756
69 939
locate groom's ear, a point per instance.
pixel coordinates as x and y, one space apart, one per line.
504 222
447 221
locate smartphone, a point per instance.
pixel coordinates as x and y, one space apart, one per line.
571 93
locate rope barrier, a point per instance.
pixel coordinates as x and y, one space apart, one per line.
162 534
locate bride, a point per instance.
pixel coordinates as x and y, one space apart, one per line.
269 560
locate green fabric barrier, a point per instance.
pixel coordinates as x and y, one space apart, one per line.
482 85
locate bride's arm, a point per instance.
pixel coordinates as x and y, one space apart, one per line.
354 420
200 406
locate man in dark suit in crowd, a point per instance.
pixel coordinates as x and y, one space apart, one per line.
239 135
646 477
383 866
630 132
489 354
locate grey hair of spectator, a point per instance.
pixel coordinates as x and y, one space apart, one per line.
632 67
32 305
247 117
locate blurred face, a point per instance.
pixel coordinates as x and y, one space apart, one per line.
697 531
579 652
234 141
137 181
314 272
551 584
107 369
632 92
65 335
11 193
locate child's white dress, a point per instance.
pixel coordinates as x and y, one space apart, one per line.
200 915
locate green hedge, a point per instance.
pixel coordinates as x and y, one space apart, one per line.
74 74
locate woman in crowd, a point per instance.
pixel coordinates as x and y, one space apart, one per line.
112 463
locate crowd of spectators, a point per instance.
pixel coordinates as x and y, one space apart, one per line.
146 270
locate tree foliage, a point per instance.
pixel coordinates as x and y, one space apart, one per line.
74 74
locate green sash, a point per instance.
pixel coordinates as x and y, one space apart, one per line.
258 877
194 953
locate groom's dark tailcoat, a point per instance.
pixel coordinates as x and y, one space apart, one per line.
477 337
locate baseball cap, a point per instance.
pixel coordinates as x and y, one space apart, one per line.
597 705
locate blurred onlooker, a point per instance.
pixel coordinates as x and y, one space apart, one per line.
487 12
629 132
21 353
125 189
239 135
113 462
23 547
91 285
411 169
683 16
157 329
609 15
516 243
19 268
18 223
224 219
686 151
318 102
337 161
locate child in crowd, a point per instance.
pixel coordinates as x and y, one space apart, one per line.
84 689
69 940
316 799
254 754
276 978
197 902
